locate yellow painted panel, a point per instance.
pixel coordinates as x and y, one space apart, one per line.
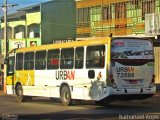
14 23
89 3
25 77
157 64
10 80
129 20
33 18
140 26
129 31
83 30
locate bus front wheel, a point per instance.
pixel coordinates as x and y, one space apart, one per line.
19 93
66 96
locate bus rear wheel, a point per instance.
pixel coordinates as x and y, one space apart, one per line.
66 96
19 93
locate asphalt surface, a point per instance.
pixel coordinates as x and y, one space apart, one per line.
44 110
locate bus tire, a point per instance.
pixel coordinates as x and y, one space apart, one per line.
99 102
19 93
102 103
66 96
27 98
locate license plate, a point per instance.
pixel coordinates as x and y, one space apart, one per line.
133 81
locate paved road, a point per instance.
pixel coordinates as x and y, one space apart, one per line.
43 108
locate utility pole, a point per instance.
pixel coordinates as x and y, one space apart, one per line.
5 7
5 47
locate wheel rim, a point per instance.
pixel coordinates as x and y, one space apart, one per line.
66 97
19 93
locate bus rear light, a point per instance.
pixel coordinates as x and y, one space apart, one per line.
111 77
153 78
152 81
112 81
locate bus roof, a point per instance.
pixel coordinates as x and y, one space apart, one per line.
79 43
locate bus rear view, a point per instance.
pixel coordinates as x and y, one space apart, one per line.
132 68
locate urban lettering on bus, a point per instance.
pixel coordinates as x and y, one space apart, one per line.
125 69
125 72
65 75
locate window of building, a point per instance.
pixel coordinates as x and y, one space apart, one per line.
36 31
53 59
17 30
148 6
120 10
79 56
29 61
96 13
107 12
83 16
19 61
67 56
157 2
95 56
133 8
135 4
40 60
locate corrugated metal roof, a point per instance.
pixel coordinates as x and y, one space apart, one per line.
19 14
29 7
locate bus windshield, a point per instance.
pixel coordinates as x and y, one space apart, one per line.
131 49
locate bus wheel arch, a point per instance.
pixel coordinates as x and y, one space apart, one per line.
65 94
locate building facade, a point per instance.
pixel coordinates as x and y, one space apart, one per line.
100 18
119 17
40 24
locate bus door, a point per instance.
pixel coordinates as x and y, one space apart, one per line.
95 72
10 74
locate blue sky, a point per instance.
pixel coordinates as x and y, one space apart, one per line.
21 4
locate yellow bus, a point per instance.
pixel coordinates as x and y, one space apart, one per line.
97 69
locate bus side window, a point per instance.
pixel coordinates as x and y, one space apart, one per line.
67 56
29 61
79 56
40 60
53 59
95 56
10 68
19 61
